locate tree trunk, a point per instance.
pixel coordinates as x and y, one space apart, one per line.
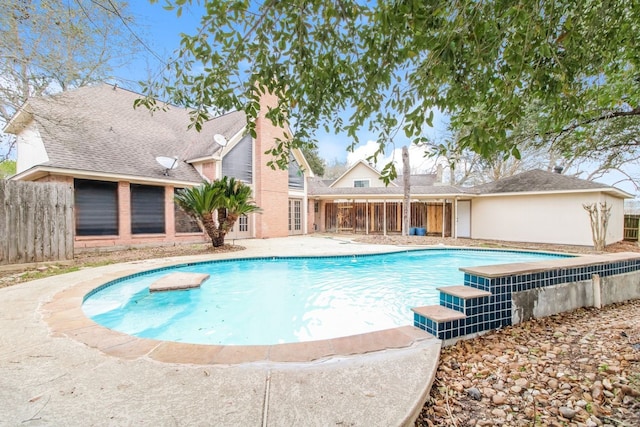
218 240
406 205
216 235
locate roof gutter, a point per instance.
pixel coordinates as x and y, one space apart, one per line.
609 190
38 172
390 196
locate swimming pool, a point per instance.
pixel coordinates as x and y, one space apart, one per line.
280 300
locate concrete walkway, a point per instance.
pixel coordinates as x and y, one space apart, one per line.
54 379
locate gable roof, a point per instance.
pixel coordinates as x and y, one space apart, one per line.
95 129
356 165
537 180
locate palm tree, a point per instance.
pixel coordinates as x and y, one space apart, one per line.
230 198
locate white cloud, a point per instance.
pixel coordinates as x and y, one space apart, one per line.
417 161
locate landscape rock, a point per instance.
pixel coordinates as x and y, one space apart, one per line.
574 369
474 393
568 413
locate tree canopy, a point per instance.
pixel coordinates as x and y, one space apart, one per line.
349 65
7 168
54 45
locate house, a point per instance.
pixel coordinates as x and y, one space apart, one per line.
534 206
359 202
93 139
544 207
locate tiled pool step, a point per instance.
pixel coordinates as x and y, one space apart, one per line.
456 302
485 301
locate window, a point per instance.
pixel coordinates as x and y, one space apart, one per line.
147 209
295 216
184 222
316 206
237 163
296 178
361 183
96 208
243 223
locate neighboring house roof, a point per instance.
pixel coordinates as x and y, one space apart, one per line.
96 129
534 181
421 185
539 181
360 192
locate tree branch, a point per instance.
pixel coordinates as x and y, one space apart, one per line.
607 116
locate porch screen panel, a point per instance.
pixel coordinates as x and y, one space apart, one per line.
418 214
434 218
331 216
394 217
237 163
360 212
147 209
377 217
96 208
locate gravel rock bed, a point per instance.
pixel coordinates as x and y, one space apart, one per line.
575 369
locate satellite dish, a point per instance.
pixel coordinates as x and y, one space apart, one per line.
168 163
220 139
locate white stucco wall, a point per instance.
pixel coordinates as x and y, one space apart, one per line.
615 230
30 148
543 218
359 171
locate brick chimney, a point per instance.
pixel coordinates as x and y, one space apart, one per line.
271 189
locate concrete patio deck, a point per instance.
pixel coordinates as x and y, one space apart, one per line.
61 372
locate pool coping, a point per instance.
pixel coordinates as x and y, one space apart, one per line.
65 317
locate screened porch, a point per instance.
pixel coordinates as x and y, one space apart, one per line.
385 217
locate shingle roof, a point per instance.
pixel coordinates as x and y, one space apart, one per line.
435 190
527 182
537 181
96 129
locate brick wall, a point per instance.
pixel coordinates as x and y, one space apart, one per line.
271 190
124 209
125 238
209 171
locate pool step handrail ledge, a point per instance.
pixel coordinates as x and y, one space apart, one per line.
497 296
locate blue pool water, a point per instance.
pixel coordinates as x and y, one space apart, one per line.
282 300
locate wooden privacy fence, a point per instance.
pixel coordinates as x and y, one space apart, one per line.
631 226
36 222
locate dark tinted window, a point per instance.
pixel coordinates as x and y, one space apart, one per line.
147 209
96 208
